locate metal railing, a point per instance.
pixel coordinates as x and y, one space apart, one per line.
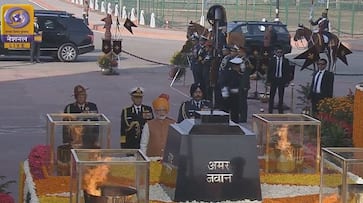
344 15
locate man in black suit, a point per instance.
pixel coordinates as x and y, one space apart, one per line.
133 119
321 85
278 76
187 109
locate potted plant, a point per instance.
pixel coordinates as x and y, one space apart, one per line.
304 92
107 63
180 62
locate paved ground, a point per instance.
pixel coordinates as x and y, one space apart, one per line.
31 91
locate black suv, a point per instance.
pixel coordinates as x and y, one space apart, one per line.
64 36
254 32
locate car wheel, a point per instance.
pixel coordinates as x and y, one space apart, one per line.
67 53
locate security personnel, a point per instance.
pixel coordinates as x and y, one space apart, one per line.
133 119
197 103
35 45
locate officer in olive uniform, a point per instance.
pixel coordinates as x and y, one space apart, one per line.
81 105
197 103
133 119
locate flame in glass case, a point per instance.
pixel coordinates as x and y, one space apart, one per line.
95 177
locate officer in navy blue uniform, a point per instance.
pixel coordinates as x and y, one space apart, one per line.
231 83
197 103
133 119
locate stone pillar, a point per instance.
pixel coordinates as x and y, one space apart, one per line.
358 116
142 17
152 20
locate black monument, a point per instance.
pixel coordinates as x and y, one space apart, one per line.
210 158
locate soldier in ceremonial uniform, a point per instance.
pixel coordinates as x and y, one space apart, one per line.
323 24
197 103
133 119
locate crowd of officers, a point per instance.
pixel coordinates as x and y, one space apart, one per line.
235 65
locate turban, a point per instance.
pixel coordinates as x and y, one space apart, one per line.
162 102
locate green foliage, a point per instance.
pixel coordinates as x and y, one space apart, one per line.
333 135
4 186
107 60
303 95
179 59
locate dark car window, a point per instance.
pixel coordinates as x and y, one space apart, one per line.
280 29
76 25
49 25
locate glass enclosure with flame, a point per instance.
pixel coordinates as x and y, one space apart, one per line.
75 131
341 175
287 143
109 175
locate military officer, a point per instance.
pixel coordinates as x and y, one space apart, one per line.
197 103
81 105
133 119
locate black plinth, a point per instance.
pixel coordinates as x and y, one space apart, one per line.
212 162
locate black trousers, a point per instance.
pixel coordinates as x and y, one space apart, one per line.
277 85
85 19
35 51
315 98
243 106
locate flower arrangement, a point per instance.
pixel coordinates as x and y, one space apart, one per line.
5 195
39 160
336 115
107 61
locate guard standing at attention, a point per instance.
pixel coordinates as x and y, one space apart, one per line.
133 119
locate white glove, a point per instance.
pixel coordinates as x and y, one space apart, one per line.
225 92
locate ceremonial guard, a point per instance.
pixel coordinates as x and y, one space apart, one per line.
197 103
194 63
133 119
206 61
198 68
323 24
244 84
